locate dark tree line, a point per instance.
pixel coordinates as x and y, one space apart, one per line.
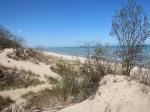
9 40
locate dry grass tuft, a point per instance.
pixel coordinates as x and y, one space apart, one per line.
5 102
14 78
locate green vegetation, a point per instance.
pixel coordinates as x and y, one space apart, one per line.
43 99
80 80
11 78
77 82
67 86
5 102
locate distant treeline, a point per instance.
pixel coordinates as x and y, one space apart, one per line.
9 40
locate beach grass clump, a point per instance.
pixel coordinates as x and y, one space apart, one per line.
67 86
5 102
65 90
27 95
11 78
41 100
79 80
51 80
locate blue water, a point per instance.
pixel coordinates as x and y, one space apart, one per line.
80 51
77 51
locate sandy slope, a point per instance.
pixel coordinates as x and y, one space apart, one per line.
41 69
119 96
16 94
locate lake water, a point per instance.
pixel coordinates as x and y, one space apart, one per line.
80 51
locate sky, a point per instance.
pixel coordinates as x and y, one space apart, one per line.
62 23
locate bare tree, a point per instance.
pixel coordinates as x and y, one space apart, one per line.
8 40
18 41
5 38
130 26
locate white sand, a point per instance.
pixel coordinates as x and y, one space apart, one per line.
41 69
16 94
120 96
68 57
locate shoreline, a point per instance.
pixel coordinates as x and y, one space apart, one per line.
65 56
112 60
134 70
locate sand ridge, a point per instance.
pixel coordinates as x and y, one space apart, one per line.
119 96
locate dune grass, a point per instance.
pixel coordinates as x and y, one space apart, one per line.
12 78
41 100
5 102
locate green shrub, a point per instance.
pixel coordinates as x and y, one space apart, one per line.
92 71
78 80
67 85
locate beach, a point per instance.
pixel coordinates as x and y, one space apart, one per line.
64 56
119 96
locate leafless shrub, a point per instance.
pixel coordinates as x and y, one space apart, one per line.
131 28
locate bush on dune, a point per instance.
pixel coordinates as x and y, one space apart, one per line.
77 81
67 85
80 80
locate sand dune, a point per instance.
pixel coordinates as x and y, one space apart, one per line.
119 96
123 95
16 94
40 69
